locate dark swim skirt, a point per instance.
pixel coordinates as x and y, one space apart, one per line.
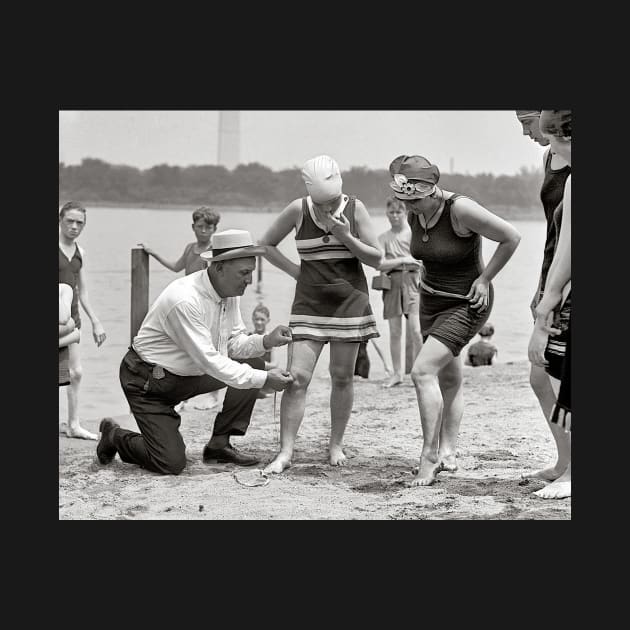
451 320
561 414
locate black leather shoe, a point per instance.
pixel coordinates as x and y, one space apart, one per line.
227 455
105 449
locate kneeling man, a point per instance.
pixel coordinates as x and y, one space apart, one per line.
192 341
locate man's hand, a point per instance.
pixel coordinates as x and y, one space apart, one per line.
278 379
279 336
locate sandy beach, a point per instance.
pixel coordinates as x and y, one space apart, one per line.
503 434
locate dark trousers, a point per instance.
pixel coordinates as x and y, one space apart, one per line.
152 397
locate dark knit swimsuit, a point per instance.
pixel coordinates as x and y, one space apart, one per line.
451 263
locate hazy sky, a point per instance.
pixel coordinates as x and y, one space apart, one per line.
476 141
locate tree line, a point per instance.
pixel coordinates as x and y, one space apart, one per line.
257 186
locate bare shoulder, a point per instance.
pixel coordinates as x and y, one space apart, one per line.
294 209
464 212
361 213
295 205
360 206
464 205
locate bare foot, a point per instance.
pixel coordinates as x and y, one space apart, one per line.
426 473
180 406
63 427
559 489
546 474
280 463
392 381
449 463
337 456
77 431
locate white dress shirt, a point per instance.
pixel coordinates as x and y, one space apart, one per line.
190 330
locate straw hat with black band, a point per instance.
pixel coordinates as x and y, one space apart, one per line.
231 244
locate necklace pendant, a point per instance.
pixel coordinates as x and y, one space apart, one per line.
425 237
326 238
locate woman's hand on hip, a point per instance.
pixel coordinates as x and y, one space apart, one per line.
479 294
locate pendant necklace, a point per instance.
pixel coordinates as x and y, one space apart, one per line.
425 236
326 237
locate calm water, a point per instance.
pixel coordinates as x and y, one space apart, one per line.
111 233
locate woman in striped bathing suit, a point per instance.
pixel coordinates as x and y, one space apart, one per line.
334 235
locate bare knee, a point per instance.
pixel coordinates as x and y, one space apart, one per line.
422 375
301 379
76 374
340 377
450 380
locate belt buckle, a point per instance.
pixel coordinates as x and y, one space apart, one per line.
158 372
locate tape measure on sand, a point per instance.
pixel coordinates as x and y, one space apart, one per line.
251 478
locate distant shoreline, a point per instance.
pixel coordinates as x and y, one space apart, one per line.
141 205
506 212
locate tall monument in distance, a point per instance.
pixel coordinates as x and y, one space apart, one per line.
228 153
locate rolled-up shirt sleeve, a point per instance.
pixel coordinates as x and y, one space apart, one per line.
185 325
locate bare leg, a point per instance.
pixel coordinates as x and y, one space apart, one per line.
450 378
413 326
304 358
76 372
432 358
343 356
381 354
561 487
395 336
541 384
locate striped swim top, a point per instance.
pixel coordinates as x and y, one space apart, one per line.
314 242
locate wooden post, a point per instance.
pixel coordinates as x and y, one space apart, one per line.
259 260
139 288
409 358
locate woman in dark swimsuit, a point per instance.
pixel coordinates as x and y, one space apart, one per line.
556 170
456 297
553 312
